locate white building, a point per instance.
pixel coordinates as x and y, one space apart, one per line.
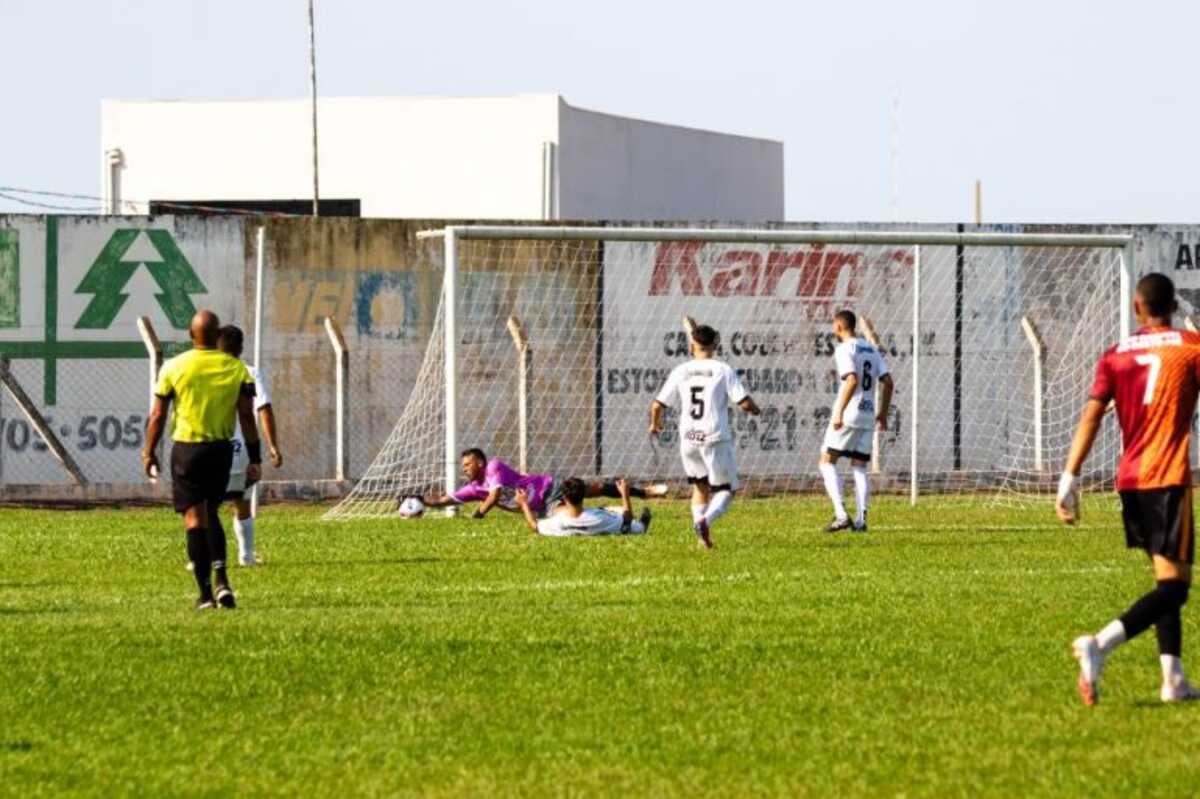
520 157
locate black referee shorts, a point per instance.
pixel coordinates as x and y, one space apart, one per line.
199 472
1159 521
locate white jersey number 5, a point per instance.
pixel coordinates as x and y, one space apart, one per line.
1155 363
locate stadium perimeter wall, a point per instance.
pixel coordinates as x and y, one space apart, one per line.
71 289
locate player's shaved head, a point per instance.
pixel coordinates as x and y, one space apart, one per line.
1156 293
204 329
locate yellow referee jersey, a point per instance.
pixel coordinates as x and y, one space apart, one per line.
204 386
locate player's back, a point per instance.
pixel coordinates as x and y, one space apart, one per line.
1152 377
705 387
859 357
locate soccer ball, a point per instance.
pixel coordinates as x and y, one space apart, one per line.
411 508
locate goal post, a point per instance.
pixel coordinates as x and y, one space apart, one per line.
604 303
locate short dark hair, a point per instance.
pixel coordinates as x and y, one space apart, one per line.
230 339
847 318
573 490
475 452
705 336
1157 293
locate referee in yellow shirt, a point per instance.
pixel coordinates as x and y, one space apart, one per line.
210 390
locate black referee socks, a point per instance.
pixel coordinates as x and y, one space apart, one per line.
197 550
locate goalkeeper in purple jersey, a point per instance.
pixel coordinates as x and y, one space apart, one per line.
493 483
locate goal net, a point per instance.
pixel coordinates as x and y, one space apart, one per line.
991 340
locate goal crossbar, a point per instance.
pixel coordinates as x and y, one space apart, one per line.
745 236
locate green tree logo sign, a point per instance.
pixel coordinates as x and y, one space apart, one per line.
109 274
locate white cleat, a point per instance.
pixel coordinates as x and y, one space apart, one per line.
1179 692
1091 662
657 490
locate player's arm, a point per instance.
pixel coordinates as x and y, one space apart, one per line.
885 401
266 418
1066 505
156 422
442 501
488 503
849 384
656 412
522 500
750 406
245 411
626 503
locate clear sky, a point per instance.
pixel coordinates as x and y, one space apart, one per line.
1068 111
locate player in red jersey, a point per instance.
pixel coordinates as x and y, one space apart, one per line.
1152 378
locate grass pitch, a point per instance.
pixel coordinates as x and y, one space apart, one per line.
464 658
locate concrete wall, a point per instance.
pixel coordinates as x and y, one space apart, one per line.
383 286
439 157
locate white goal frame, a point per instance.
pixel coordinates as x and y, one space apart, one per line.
451 235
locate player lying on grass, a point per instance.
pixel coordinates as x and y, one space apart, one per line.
704 387
570 518
493 483
854 419
230 340
1152 378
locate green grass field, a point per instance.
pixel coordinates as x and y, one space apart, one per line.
461 658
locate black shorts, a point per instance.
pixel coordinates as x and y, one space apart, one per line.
199 472
1159 521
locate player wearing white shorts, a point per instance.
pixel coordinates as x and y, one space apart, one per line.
854 420
231 341
704 388
571 518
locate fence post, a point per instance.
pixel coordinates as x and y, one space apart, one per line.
154 353
39 423
521 342
342 368
914 422
1038 346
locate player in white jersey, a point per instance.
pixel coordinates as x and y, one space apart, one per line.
230 340
704 388
854 419
571 518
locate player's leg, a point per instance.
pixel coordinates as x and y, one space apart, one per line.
608 488
721 464
859 459
700 498
827 465
243 531
195 522
218 549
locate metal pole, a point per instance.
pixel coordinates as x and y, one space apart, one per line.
155 354
312 80
521 342
1126 261
914 423
450 347
260 261
1039 352
342 361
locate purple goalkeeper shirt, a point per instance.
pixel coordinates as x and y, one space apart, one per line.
499 474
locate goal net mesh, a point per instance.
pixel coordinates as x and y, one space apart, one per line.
604 322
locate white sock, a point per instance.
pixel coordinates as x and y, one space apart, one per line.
833 487
243 531
717 506
862 492
1172 669
1112 636
698 513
